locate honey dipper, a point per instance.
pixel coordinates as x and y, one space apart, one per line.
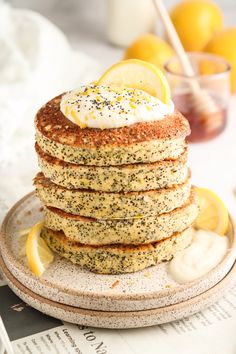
210 114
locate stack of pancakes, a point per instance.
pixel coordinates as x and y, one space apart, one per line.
116 200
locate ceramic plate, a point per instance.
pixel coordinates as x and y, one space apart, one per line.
120 319
68 284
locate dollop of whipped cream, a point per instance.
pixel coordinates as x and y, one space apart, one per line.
112 107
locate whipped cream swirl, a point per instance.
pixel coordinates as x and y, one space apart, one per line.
112 107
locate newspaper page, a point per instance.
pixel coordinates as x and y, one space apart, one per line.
211 331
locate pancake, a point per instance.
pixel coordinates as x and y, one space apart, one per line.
116 259
136 177
139 143
130 231
103 205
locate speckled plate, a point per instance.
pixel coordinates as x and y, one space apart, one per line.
120 319
68 284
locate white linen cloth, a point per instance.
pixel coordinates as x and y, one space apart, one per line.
36 63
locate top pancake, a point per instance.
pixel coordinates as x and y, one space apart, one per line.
51 122
63 139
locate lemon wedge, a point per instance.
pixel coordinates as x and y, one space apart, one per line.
213 214
38 254
138 74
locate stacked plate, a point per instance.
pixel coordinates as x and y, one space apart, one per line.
70 293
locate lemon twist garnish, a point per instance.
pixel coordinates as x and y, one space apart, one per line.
38 254
213 215
137 74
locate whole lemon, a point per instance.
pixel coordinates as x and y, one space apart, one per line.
150 48
224 44
196 21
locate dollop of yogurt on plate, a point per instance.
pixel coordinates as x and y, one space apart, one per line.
205 252
112 107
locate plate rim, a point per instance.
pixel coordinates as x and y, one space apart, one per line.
228 280
121 296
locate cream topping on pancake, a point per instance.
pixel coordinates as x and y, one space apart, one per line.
111 107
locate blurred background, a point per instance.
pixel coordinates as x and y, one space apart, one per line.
51 46
85 22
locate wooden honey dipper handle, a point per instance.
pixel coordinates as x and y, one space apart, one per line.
176 43
210 114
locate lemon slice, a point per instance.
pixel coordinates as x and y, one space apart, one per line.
213 214
38 254
138 74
